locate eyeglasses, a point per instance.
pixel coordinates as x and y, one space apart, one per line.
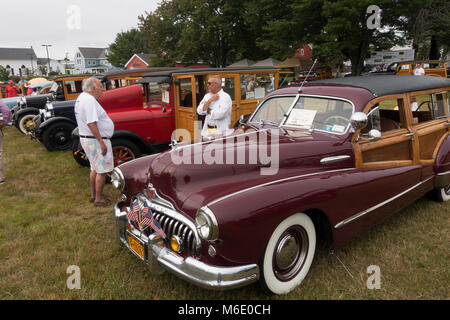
210 83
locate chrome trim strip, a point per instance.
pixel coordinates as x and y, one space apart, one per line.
330 160
443 173
363 213
276 181
202 274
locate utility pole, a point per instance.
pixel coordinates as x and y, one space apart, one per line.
31 58
48 58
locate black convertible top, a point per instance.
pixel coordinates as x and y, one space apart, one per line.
381 85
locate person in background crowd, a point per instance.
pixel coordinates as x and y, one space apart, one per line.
29 90
96 129
216 105
418 70
11 89
5 120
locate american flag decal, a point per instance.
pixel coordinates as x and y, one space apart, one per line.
148 220
133 213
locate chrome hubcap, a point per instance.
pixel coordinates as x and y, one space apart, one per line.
287 252
290 253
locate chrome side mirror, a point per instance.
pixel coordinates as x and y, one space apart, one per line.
241 120
358 120
374 135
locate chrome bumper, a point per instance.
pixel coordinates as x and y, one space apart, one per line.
189 269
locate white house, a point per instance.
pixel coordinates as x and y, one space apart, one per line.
91 60
396 54
55 66
19 61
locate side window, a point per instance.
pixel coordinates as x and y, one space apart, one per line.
159 92
404 67
439 108
422 108
385 116
74 87
228 87
256 86
185 93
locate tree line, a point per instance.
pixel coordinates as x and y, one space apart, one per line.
221 32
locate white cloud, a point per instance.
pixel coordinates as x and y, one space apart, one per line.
46 22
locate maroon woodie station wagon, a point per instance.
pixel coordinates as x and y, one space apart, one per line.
251 206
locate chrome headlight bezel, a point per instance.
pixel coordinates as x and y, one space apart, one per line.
22 103
206 224
117 179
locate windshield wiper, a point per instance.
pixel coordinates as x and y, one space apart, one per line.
262 122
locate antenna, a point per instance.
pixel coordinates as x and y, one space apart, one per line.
300 89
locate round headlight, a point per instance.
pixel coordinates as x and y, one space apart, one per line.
117 179
206 224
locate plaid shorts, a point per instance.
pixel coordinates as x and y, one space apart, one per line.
99 163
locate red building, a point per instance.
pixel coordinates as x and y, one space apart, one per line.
139 61
303 52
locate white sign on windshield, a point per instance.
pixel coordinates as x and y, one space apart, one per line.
301 117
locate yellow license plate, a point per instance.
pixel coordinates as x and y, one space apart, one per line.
136 246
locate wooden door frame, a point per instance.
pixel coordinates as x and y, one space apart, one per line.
409 128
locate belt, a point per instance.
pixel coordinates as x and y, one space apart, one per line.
91 137
211 126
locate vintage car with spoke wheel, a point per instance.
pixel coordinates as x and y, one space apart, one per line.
254 205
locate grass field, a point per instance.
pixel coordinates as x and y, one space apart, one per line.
47 225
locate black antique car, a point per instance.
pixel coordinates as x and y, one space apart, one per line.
65 88
54 124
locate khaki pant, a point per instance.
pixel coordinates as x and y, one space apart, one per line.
2 167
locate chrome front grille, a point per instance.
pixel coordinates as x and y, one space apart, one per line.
173 227
172 222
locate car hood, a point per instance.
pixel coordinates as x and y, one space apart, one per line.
62 107
192 184
38 101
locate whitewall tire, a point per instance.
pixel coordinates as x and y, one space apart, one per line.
288 254
443 194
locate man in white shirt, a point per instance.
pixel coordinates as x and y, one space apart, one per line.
216 105
419 71
95 129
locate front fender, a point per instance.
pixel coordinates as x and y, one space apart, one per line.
53 120
442 163
142 144
25 111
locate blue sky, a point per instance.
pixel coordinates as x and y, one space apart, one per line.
68 24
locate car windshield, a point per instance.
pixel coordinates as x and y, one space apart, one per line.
319 113
273 110
54 87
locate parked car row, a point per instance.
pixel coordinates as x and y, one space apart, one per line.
224 224
145 114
